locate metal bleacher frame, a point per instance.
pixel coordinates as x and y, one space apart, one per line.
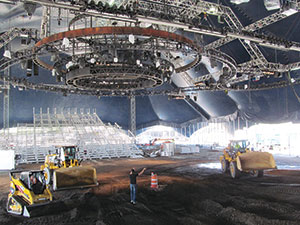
82 127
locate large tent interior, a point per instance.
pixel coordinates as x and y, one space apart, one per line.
169 85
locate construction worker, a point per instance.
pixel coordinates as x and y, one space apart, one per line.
132 175
36 186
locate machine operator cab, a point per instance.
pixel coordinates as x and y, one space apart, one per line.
67 154
34 181
238 146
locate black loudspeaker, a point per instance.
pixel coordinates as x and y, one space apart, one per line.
35 70
29 68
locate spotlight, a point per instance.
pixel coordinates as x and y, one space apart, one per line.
93 60
54 57
115 60
272 4
69 64
53 72
239 1
66 42
7 54
157 64
131 38
138 62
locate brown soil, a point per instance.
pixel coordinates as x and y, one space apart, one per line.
188 194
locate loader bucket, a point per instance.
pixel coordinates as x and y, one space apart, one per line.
74 177
255 161
18 206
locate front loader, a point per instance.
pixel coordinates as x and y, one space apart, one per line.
63 170
238 159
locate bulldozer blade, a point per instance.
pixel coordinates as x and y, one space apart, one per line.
255 161
74 177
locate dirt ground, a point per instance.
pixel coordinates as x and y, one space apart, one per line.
189 193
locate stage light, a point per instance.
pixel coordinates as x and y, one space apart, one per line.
7 54
131 38
54 57
53 72
157 64
66 42
69 64
93 60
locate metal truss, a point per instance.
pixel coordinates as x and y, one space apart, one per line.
257 57
6 89
254 52
266 21
45 29
163 13
132 115
8 36
115 78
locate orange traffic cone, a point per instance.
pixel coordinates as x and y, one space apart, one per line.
154 181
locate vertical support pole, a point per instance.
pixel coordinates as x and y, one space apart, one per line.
132 124
6 106
34 129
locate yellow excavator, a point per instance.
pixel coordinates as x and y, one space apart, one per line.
28 191
63 170
238 159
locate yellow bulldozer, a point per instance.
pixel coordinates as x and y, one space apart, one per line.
237 158
28 192
63 170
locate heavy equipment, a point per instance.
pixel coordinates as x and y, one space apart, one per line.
237 158
63 170
28 192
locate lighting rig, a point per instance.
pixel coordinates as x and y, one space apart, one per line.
130 60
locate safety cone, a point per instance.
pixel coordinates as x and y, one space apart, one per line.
154 181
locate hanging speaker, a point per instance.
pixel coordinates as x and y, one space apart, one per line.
35 70
29 68
29 65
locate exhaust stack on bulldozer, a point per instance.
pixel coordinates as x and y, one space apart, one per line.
63 170
238 159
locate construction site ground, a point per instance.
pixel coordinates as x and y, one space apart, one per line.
192 191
